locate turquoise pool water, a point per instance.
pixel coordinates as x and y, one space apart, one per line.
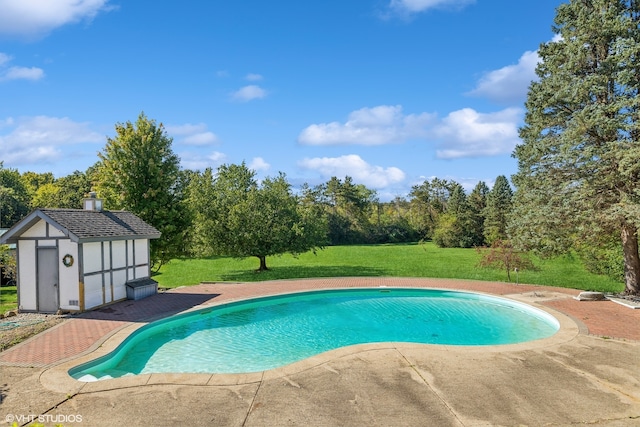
265 333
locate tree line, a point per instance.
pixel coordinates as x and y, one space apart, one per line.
228 211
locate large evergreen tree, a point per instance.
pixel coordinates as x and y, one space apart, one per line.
140 173
579 164
477 204
499 201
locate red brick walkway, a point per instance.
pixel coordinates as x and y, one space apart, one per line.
79 333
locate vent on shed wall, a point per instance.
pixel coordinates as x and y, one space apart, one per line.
74 302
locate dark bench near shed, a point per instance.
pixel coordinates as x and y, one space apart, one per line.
141 288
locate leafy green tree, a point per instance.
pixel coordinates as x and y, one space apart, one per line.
393 223
446 232
14 197
33 181
7 264
454 228
139 172
348 209
65 192
499 204
579 165
47 196
236 216
428 201
74 188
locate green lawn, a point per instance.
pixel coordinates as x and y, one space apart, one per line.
402 260
8 298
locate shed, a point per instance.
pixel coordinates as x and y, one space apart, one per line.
79 259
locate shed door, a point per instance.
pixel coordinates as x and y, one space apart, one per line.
48 280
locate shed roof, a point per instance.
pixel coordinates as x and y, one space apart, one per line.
86 225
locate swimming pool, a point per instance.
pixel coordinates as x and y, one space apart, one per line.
269 332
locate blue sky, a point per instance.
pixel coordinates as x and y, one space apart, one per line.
389 92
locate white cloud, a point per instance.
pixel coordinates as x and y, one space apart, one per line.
32 140
186 129
217 157
37 17
467 133
9 121
196 161
249 93
355 167
23 73
204 138
4 58
253 77
463 133
509 84
414 6
368 126
16 72
191 134
259 164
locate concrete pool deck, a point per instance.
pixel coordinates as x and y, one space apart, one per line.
587 373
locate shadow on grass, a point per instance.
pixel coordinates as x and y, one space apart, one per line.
302 272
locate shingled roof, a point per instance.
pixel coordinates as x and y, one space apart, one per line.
86 225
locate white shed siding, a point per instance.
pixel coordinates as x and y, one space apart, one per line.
142 271
27 274
37 230
69 290
119 278
106 256
92 257
142 253
130 253
54 232
119 254
93 291
109 265
108 294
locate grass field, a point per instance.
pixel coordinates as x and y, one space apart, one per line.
400 260
8 298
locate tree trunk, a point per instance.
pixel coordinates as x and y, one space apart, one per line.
263 263
631 259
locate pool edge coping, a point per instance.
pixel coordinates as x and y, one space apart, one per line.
56 378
